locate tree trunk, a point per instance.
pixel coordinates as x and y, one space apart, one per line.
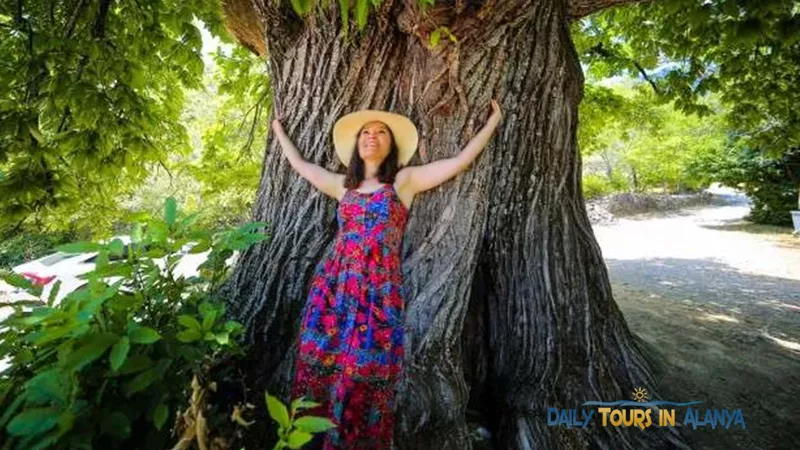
509 307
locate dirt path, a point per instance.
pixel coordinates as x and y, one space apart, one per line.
718 300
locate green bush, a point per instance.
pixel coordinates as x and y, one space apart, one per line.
109 366
26 246
595 185
771 183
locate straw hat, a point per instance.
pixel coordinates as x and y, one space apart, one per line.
404 131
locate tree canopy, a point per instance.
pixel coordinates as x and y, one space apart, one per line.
91 92
90 96
747 51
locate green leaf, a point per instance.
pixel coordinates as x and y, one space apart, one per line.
157 231
189 335
102 259
314 424
200 247
233 327
251 227
189 322
11 409
344 15
435 36
209 313
116 247
277 411
119 352
135 363
361 13
155 253
298 438
16 280
80 247
452 37
188 221
302 7
143 335
136 234
33 421
94 347
53 293
48 387
170 211
108 292
222 338
301 403
49 334
160 415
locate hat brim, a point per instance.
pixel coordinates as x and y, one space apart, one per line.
345 139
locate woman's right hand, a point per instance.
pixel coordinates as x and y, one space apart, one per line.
276 122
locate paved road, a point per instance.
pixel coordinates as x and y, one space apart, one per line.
710 256
719 300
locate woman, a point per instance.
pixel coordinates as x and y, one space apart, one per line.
351 335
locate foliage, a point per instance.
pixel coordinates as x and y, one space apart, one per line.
436 36
29 245
641 144
357 10
229 169
90 98
294 432
772 184
108 365
227 128
595 185
744 51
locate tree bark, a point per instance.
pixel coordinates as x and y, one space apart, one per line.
509 307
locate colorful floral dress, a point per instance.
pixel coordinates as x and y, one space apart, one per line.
351 335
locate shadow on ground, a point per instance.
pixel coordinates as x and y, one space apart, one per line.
725 337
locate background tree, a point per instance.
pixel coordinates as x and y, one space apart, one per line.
631 140
91 94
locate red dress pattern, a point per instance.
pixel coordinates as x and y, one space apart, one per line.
351 335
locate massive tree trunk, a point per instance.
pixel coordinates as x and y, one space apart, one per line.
509 307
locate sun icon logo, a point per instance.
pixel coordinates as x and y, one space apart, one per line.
640 394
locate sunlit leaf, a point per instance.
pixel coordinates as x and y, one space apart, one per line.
277 411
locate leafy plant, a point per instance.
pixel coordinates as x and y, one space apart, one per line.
770 183
98 102
28 245
295 432
108 366
596 186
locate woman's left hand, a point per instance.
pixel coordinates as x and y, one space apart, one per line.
496 114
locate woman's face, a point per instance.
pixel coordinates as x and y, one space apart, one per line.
374 142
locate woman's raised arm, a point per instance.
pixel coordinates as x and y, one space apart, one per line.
427 176
328 182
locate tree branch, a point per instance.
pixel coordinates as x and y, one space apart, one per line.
577 9
604 52
99 29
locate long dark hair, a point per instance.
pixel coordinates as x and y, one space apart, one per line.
386 172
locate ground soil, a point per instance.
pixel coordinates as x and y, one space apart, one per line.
717 301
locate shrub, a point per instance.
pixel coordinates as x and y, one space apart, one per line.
109 365
770 183
26 246
596 186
